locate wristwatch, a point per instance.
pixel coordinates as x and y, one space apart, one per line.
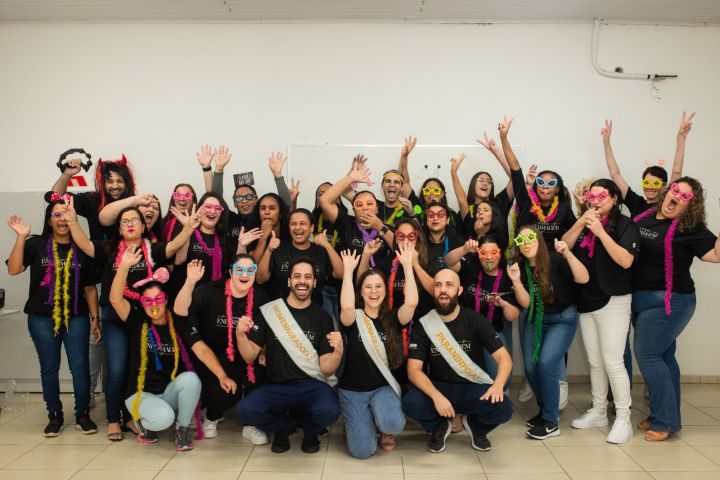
383 230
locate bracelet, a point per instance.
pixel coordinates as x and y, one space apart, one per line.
207 169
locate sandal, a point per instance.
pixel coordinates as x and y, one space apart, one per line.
115 436
130 426
655 436
644 425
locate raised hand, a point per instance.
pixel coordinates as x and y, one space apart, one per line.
513 272
685 124
223 157
244 325
471 246
606 131
22 230
294 189
205 155
195 271
69 213
321 239
276 161
335 341
193 218
274 242
350 260
360 173
405 254
372 247
488 143
131 256
407 205
246 238
144 200
531 174
73 167
410 143
562 247
504 126
455 163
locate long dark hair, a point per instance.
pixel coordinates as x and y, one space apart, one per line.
283 221
47 229
614 214
168 216
421 244
112 245
562 192
385 317
102 173
421 196
541 272
222 228
489 238
498 225
471 188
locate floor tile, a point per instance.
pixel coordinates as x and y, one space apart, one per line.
714 412
365 476
168 475
210 457
610 476
444 476
607 458
713 453
670 458
684 475
528 476
10 453
452 460
144 457
519 460
263 460
54 474
16 434
115 475
245 475
700 436
57 456
339 461
700 417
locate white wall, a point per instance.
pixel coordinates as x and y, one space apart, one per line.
156 92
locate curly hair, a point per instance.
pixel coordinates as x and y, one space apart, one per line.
694 216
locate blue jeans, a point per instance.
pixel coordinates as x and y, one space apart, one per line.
117 350
482 415
491 366
655 336
558 331
157 412
48 346
366 414
521 329
313 401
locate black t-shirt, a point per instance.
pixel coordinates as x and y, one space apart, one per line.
351 237
438 251
87 204
280 269
315 322
390 216
563 221
563 285
649 267
156 380
196 252
469 272
635 203
607 278
470 329
425 299
35 257
332 232
360 373
503 202
106 260
208 303
238 221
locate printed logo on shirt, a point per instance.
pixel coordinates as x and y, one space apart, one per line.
464 344
164 349
357 242
196 247
412 346
310 335
547 227
382 335
649 234
141 265
221 321
235 232
45 261
284 266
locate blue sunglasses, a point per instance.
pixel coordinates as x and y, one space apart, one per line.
552 183
250 270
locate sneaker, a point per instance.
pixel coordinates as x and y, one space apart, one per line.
255 435
478 441
210 428
589 419
621 431
145 435
438 437
324 432
183 441
310 444
563 395
55 425
85 424
387 442
544 430
526 392
535 421
281 442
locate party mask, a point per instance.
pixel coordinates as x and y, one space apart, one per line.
439 215
490 253
359 204
436 190
249 270
150 301
600 197
210 208
57 215
521 239
402 237
684 196
540 182
182 196
656 184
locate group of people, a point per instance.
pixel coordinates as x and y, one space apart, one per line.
397 307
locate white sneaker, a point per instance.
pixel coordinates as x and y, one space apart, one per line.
210 428
589 419
526 392
255 435
564 395
621 431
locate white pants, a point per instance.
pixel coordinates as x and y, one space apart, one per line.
604 334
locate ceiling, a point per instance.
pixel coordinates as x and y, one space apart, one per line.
669 12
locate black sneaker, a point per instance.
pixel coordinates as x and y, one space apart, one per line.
535 421
324 432
544 430
145 435
281 441
85 424
478 441
438 437
55 425
183 441
310 444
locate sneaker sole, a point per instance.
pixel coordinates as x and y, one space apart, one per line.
85 432
554 433
53 435
184 449
585 427
147 442
472 439
447 434
525 398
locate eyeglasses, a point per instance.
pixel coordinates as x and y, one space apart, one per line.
432 190
484 181
656 184
182 196
440 214
600 197
402 237
684 196
540 182
150 301
210 208
56 214
249 197
129 221
521 240
249 270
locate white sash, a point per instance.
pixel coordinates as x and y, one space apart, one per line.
375 347
294 341
451 351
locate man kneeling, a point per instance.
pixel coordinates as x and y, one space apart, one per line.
302 353
451 339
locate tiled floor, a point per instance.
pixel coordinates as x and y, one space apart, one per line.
576 455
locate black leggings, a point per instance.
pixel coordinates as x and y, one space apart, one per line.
214 398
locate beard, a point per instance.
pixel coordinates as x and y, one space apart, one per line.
446 309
